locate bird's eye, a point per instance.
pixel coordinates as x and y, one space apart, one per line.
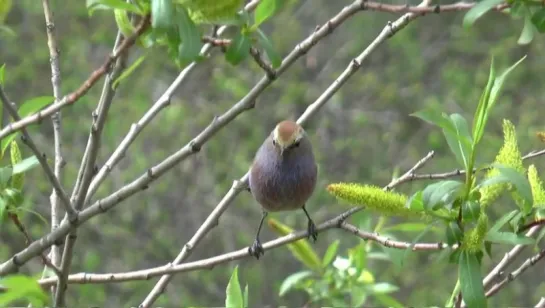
296 144
274 142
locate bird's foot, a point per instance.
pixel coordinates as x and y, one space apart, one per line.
256 250
311 230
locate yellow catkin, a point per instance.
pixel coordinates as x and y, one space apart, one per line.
538 193
509 155
474 238
373 197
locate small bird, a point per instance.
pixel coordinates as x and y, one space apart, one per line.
283 175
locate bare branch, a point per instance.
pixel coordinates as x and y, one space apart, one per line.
201 264
82 90
384 241
86 169
409 174
513 275
56 121
17 222
508 259
41 158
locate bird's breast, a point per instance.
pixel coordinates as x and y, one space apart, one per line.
283 184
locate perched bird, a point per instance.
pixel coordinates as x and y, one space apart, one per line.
283 175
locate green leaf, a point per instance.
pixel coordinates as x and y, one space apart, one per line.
509 238
479 10
264 10
538 19
300 249
330 253
246 296
233 292
520 182
13 197
129 70
382 288
453 233
459 141
528 32
469 271
123 22
5 175
499 81
25 165
388 301
434 117
3 206
416 202
2 72
17 180
275 59
471 210
93 5
34 104
20 287
503 220
5 7
441 193
162 14
408 227
191 37
292 280
239 49
5 142
455 130
482 112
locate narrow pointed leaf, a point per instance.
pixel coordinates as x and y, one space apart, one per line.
479 10
469 271
233 292
239 49
301 249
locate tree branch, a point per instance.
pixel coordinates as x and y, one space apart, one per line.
41 158
54 199
508 259
513 275
82 90
87 163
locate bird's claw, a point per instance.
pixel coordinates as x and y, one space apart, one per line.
256 250
311 230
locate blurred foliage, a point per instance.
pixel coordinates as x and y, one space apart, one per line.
364 134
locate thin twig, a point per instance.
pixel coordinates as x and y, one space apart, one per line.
384 241
458 172
41 158
212 220
508 259
17 222
201 264
54 199
513 275
410 174
87 164
82 90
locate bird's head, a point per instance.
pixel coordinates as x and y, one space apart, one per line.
287 135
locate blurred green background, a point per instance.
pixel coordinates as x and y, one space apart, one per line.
363 134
